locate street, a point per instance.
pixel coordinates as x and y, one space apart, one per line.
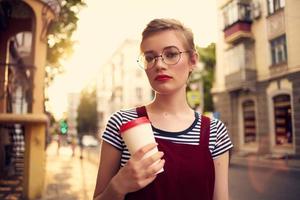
248 183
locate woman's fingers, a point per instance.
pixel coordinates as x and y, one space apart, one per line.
152 159
155 168
142 151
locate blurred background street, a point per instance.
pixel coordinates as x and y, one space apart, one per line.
71 178
66 66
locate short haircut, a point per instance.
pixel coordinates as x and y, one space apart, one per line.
159 25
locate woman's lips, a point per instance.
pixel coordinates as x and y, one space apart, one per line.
163 78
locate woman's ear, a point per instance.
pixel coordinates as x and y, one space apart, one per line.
194 60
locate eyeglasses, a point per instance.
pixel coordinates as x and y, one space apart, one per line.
170 56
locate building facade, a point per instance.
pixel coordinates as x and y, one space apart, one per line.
121 83
257 86
23 122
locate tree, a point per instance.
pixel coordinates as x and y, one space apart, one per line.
60 43
87 116
207 56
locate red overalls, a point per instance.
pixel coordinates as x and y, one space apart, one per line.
188 171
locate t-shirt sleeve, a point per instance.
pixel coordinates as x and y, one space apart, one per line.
111 132
223 142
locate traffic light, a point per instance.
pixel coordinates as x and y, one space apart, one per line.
63 126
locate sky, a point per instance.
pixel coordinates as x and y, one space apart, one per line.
104 25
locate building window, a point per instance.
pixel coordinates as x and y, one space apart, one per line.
283 120
236 11
278 50
249 121
274 5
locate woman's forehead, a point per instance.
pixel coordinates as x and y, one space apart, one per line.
158 41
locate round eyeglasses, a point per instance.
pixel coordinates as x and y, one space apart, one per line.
170 56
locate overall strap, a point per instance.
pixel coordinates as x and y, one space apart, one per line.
204 130
141 111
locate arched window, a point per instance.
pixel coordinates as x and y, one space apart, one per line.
249 121
283 120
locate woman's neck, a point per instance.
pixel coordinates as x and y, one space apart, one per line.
172 104
170 112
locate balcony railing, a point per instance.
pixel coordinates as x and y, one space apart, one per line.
244 78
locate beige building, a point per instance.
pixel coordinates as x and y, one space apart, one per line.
121 83
257 85
23 123
71 115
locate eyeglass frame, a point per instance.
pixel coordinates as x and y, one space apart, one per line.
161 55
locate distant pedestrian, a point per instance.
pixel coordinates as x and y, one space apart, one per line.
80 146
193 149
59 143
73 144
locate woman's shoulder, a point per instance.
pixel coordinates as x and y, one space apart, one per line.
214 122
124 115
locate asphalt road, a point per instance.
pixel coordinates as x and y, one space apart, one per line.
254 183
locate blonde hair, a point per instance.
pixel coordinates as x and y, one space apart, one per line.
159 25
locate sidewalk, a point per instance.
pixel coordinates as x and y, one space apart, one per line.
279 162
72 178
67 177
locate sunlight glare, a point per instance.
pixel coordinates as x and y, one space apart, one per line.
104 25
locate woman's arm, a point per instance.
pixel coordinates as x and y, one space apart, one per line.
109 165
221 177
114 183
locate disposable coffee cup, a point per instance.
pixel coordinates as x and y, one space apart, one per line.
138 133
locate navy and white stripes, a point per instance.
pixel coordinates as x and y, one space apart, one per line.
219 141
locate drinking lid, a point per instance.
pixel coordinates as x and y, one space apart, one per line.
133 123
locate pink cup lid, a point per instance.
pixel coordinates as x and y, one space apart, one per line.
133 123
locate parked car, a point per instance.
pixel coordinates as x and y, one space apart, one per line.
89 141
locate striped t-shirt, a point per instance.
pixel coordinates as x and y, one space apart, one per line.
219 141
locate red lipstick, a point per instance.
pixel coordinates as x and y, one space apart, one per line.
162 77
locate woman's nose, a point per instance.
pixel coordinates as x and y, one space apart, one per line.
159 62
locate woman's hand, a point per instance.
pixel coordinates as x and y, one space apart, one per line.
138 171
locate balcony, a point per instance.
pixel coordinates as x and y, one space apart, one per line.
238 17
237 32
240 71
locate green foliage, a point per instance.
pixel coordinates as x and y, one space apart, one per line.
60 43
87 116
207 56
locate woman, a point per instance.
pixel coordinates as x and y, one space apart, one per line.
193 150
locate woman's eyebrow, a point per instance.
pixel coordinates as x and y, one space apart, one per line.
149 52
169 47
152 51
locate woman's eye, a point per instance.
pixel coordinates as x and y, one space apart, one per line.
171 54
149 58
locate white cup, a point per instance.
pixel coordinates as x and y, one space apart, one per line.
138 133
